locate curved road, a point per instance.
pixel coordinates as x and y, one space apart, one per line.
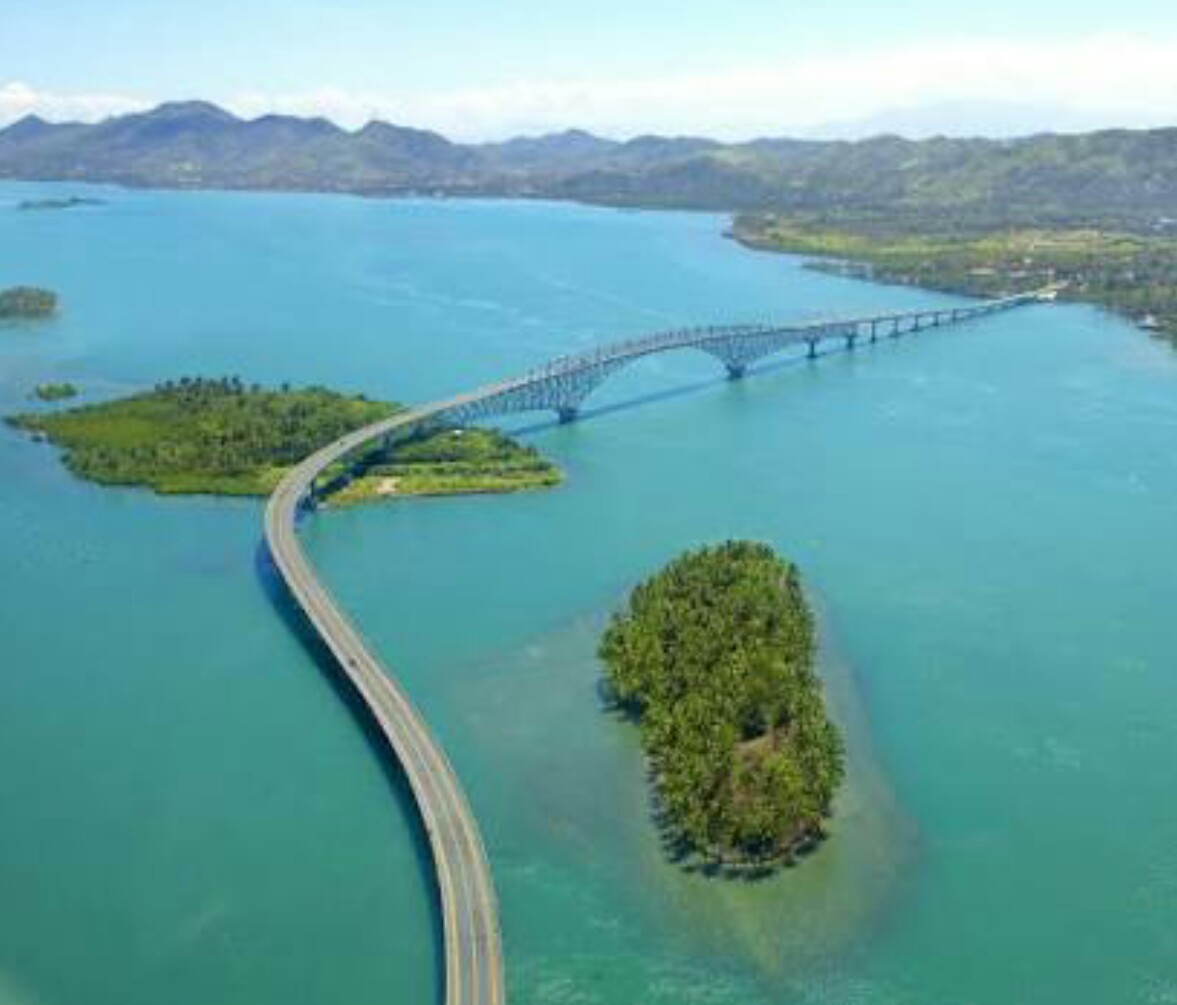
473 946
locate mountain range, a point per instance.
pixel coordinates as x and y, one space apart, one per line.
1122 177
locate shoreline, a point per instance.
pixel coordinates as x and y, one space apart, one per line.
866 271
861 269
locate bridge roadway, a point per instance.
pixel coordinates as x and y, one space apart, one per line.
473 945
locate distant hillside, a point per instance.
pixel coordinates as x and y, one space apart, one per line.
1117 177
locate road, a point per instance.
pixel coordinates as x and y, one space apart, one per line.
473 945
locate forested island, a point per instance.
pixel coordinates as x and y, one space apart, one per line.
224 437
715 656
55 392
26 303
1134 274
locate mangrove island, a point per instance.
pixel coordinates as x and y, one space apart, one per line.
223 437
715 655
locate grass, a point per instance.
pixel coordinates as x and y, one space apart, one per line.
449 462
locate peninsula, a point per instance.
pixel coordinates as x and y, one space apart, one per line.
715 656
223 437
1134 274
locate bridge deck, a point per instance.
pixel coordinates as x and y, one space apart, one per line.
473 947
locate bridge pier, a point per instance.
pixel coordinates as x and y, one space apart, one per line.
567 414
851 340
874 331
812 351
736 371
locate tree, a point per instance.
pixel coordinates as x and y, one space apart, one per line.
715 656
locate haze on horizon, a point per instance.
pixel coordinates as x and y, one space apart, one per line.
476 71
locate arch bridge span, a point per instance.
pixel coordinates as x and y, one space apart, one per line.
469 910
563 384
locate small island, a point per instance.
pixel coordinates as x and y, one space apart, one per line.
26 303
70 202
714 655
55 392
224 437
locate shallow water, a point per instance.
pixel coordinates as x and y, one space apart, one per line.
190 813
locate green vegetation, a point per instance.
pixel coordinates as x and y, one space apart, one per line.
448 462
1112 179
22 302
715 656
199 435
1096 212
1134 274
225 438
54 392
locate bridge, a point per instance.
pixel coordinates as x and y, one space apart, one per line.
470 919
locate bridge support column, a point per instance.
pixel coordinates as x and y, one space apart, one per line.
812 353
567 413
851 340
874 331
736 371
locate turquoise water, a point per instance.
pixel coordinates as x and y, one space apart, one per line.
189 814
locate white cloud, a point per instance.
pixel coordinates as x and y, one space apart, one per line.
1129 79
1105 79
18 100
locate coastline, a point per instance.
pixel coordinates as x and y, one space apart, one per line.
847 266
863 269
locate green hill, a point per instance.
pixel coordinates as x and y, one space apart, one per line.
1123 177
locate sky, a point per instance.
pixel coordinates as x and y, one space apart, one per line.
487 69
